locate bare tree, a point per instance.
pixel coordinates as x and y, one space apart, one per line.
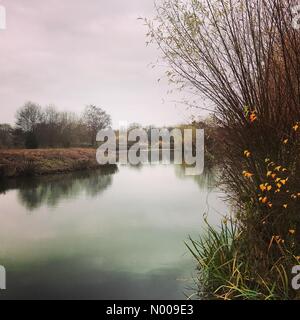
47 127
95 119
28 117
229 51
6 136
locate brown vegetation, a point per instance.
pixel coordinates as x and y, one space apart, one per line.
46 161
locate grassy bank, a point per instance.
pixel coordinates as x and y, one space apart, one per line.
14 163
227 272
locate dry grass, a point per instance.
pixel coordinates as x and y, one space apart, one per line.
45 161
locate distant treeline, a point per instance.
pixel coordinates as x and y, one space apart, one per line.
38 127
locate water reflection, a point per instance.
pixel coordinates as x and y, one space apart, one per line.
207 180
124 243
50 190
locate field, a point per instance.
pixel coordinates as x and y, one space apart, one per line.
15 163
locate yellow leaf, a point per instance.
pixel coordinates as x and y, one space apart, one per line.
253 116
262 187
247 174
264 200
247 153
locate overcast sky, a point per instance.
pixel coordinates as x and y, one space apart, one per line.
72 53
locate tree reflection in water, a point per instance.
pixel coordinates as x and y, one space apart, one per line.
33 192
207 180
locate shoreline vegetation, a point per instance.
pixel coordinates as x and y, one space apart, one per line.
30 162
241 58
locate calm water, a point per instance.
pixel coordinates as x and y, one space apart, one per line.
118 235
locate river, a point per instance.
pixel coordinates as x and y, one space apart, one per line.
104 235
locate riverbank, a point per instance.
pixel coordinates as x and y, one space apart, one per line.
15 163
